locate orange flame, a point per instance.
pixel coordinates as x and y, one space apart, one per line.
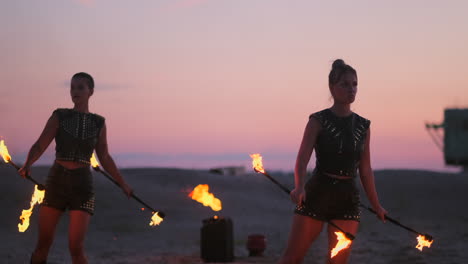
342 243
422 242
37 198
155 219
94 161
201 195
257 162
4 151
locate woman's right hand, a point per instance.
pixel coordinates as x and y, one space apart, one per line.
25 171
298 196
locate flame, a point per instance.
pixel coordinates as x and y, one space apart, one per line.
201 195
422 242
342 243
215 217
257 162
94 161
4 151
155 219
37 198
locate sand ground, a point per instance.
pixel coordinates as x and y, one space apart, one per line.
429 202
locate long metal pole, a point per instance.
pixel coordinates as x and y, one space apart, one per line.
286 190
428 237
40 186
159 213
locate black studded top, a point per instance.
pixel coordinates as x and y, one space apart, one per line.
340 142
77 135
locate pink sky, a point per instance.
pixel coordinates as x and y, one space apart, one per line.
205 82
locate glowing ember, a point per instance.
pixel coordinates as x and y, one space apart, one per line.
94 161
422 242
155 219
201 195
4 151
257 162
142 208
342 243
215 217
37 198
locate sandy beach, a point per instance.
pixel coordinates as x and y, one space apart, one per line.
429 202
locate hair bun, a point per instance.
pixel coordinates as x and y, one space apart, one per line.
338 63
339 68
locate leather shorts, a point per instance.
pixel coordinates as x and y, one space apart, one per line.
69 189
329 198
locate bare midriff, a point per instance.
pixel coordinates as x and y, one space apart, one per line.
71 165
338 176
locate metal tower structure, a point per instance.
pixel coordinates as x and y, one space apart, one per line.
454 141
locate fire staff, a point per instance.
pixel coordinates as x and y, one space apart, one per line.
340 138
77 133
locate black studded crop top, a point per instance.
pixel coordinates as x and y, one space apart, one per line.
77 135
340 142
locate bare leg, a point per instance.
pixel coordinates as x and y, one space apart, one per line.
48 219
304 231
349 226
77 228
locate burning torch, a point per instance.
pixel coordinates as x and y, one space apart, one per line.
37 197
424 240
258 167
7 158
158 216
344 238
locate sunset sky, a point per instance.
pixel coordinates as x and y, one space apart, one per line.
204 83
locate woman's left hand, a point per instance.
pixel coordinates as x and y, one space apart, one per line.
25 171
380 212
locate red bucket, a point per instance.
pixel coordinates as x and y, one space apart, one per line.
256 244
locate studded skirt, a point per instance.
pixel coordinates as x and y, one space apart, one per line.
70 189
328 198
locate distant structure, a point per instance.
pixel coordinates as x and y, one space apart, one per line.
455 137
233 170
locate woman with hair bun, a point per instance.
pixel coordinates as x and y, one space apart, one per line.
77 133
341 139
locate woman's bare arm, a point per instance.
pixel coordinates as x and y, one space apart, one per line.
38 148
303 157
367 178
107 162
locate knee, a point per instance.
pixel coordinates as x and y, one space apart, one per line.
76 249
43 244
34 259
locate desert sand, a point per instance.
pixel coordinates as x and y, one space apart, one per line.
429 202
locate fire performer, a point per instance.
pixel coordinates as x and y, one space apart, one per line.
340 138
77 134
